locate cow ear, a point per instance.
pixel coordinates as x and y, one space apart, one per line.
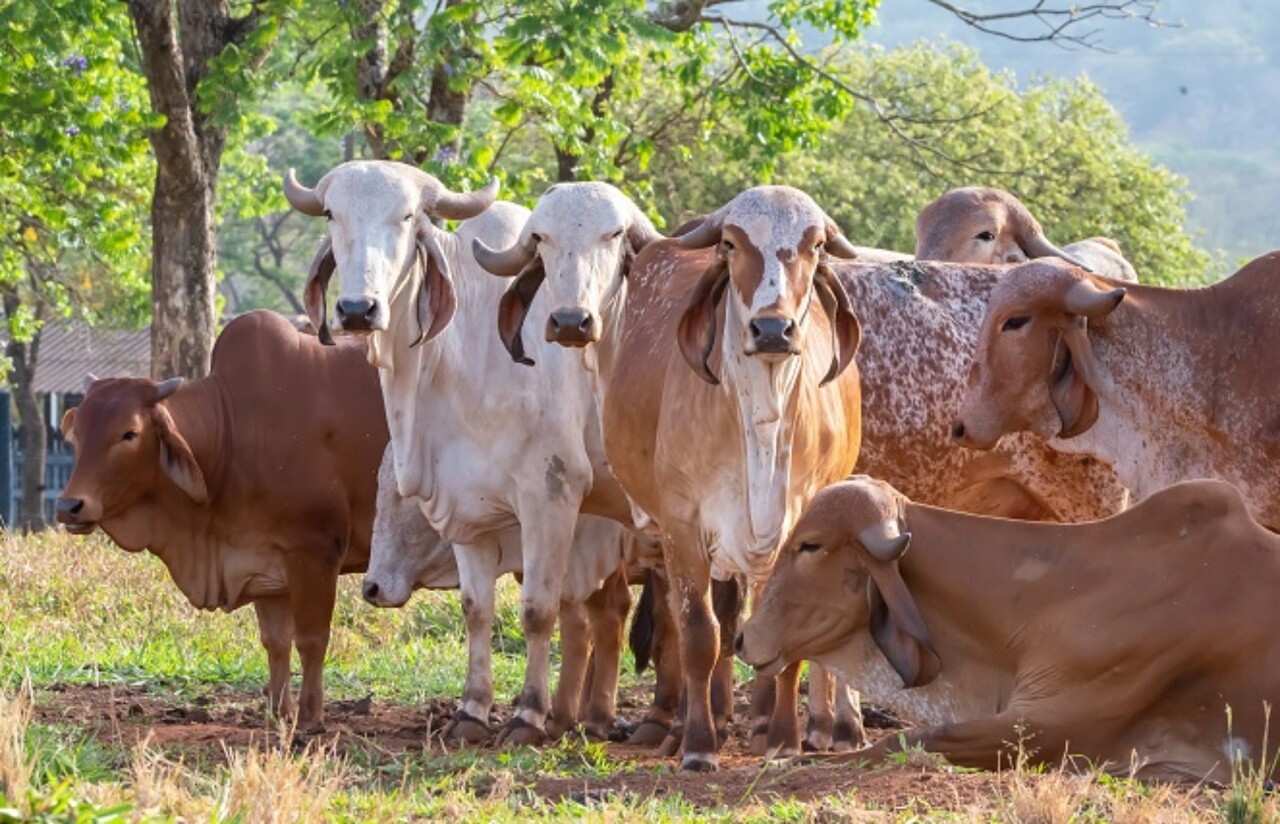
697 331
514 306
897 627
1073 385
175 457
313 294
845 328
436 299
68 421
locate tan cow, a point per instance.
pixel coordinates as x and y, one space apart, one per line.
722 449
1143 642
981 224
1163 384
254 485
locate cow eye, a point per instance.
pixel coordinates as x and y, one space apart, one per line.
408 217
130 435
817 247
726 245
328 215
810 547
1014 324
616 235
988 236
535 237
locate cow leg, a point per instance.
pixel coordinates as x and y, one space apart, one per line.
607 612
985 744
275 630
547 538
690 582
727 604
764 695
822 716
653 730
575 650
477 573
784 726
849 733
312 592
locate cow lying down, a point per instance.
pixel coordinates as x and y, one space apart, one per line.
1143 643
406 554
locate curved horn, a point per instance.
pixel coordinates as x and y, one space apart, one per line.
837 244
1088 300
884 540
300 197
641 232
704 235
164 390
89 379
1037 245
505 263
439 201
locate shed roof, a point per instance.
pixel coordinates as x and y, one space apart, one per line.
69 351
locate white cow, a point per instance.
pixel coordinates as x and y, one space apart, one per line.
486 444
406 554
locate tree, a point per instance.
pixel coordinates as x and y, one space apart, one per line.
200 62
1057 144
73 164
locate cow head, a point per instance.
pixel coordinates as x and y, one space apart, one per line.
405 552
381 241
1034 368
127 447
978 224
771 244
837 575
579 240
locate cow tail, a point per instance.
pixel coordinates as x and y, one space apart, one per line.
642 625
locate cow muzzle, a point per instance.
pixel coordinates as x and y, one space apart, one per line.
773 335
71 513
965 436
572 327
359 314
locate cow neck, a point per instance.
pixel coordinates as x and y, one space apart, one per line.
428 381
1156 410
182 533
766 399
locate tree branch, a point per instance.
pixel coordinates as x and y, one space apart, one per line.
1058 24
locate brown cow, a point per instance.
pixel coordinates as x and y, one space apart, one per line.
1163 384
1142 642
254 485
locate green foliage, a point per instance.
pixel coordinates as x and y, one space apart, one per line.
1057 144
59 804
74 165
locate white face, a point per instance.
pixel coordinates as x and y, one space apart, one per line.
580 233
373 217
405 552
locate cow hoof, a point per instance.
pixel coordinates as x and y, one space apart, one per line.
649 734
700 762
722 736
556 729
782 753
467 729
597 732
816 743
520 733
850 746
759 743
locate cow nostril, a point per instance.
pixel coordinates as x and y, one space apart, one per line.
737 643
358 309
370 591
584 325
957 430
371 311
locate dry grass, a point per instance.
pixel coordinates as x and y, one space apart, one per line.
15 765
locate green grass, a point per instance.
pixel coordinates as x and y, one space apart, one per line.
80 611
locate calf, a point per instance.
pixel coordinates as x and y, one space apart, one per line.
1106 640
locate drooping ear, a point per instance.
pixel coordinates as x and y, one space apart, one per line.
68 422
514 306
697 330
846 331
897 627
437 301
1073 384
175 457
313 294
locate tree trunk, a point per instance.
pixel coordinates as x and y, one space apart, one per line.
22 376
188 150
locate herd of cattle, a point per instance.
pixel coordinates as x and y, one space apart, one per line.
691 416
